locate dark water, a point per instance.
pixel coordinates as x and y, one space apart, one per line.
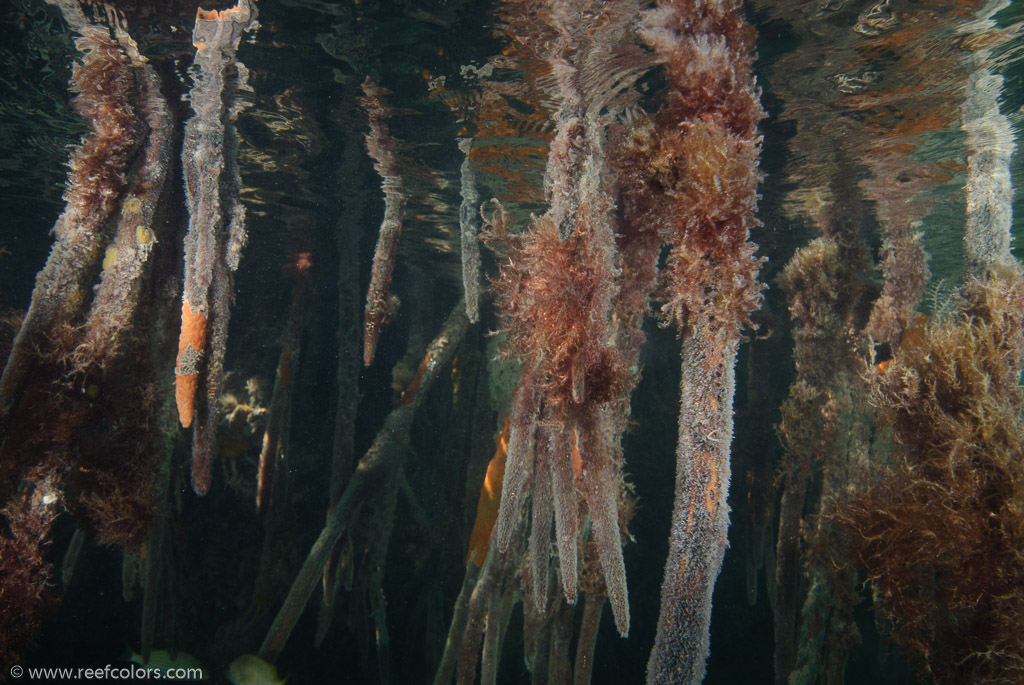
865 130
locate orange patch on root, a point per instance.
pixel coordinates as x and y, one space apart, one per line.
215 15
577 458
185 397
711 491
489 503
191 343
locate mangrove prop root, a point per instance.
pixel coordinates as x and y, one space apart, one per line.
103 83
211 185
709 126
